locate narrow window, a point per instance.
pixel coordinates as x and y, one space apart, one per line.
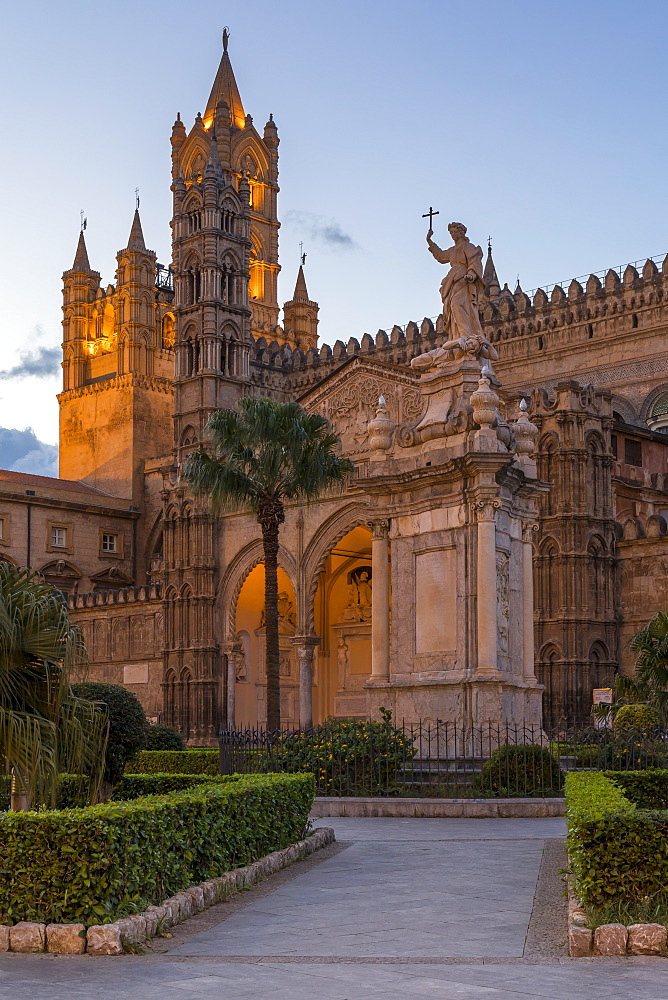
109 543
2 528
613 445
540 343
590 331
59 538
632 452
634 321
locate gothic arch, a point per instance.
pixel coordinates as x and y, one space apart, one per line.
323 541
247 144
238 570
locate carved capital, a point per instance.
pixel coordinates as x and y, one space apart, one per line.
485 510
380 527
528 531
305 646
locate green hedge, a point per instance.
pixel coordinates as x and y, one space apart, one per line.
99 863
175 762
133 786
647 789
618 853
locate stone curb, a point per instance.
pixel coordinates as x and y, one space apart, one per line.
353 807
611 939
122 935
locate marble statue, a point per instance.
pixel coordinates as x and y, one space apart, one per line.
461 292
358 607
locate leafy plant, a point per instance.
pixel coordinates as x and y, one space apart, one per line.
261 455
638 718
649 683
520 770
347 757
96 864
127 723
161 737
44 727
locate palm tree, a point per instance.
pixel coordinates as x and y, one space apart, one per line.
44 729
261 455
649 684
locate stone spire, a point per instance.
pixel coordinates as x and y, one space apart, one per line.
225 87
300 316
136 240
489 276
81 262
300 293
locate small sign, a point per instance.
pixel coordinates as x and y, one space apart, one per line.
602 696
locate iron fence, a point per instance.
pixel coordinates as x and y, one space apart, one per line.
439 759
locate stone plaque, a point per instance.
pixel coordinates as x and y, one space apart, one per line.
135 673
435 601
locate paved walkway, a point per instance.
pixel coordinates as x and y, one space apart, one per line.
398 909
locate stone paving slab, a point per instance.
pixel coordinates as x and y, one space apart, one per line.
379 899
168 979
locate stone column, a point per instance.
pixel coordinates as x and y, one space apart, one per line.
305 646
486 586
380 601
527 602
233 651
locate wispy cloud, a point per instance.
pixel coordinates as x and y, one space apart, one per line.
22 451
325 232
40 362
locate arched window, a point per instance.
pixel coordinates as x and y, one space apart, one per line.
547 471
169 685
596 578
168 332
548 586
186 702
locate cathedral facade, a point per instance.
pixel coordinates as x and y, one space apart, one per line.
487 557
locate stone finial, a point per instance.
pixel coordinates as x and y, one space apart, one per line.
484 401
525 434
380 430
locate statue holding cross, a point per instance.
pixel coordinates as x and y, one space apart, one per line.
462 289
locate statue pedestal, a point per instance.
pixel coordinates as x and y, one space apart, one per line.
447 392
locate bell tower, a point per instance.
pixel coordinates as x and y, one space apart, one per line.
225 253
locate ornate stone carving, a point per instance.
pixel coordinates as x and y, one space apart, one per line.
358 608
287 617
484 402
503 598
524 432
381 428
351 408
485 510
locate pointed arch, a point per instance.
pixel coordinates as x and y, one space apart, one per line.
239 569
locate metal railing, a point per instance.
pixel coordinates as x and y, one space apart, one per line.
438 759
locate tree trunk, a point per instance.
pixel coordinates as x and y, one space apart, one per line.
19 797
270 516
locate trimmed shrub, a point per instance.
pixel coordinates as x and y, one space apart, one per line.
127 723
632 753
175 762
133 786
96 864
646 789
636 718
520 770
347 757
618 853
161 737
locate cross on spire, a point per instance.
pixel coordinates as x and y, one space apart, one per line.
302 255
137 197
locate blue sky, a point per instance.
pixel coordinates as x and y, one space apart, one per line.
540 123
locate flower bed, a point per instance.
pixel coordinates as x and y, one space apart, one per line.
98 863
